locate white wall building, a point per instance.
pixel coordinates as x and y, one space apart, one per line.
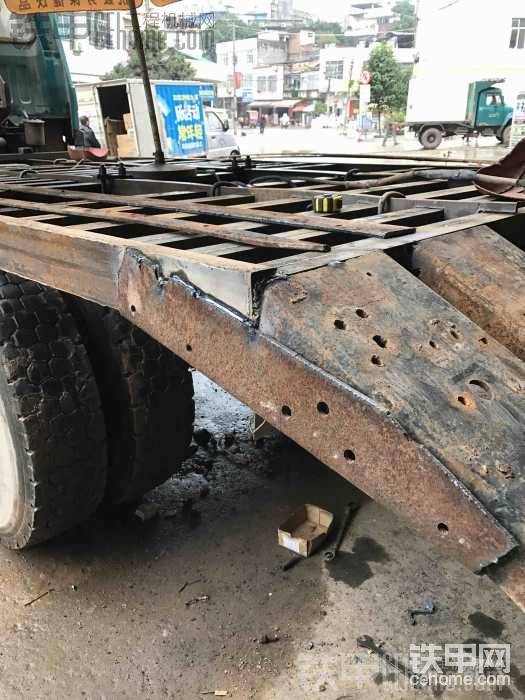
268 83
95 42
246 56
341 65
267 49
459 42
369 18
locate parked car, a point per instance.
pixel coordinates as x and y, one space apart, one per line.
221 141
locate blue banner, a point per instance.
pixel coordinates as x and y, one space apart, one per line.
183 116
207 92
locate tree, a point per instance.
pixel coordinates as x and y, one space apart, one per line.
164 63
327 33
406 13
223 31
388 80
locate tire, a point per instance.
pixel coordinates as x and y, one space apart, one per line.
52 434
431 138
505 136
147 399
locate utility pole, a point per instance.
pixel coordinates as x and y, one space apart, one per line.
139 47
234 38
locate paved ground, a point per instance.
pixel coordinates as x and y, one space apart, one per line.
117 618
297 140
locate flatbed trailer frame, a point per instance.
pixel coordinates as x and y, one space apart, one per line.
390 350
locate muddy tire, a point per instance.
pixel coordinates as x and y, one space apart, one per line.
505 136
147 398
431 138
52 434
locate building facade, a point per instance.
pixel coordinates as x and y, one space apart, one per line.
479 45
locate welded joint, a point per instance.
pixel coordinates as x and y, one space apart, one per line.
265 374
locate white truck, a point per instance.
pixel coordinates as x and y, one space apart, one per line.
189 125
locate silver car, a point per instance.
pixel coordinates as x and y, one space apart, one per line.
221 141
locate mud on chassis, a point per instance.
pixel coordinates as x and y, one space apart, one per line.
395 357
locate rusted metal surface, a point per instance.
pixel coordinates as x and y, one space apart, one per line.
411 401
372 324
351 432
185 226
330 224
482 275
510 576
506 178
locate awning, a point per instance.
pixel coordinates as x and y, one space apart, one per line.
275 104
304 107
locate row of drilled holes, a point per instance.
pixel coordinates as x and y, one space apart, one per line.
378 339
324 410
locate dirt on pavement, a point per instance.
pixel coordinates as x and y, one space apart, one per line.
192 597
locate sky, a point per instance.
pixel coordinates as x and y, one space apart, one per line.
331 10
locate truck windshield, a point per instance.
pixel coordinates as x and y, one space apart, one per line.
493 100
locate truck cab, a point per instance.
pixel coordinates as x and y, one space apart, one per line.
487 112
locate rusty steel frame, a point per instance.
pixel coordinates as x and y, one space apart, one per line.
271 378
205 305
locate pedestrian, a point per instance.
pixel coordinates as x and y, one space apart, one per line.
390 130
262 124
85 136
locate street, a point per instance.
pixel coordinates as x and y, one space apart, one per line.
195 600
298 140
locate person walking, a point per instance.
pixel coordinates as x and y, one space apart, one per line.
262 124
390 129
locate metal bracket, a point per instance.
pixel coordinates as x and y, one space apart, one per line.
332 420
494 207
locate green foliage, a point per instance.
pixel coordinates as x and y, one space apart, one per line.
327 33
223 31
163 63
388 80
406 13
319 108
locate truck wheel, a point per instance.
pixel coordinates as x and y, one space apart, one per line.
147 399
505 136
431 138
52 434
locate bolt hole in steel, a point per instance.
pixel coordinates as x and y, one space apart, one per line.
443 528
323 408
361 313
376 361
462 400
133 309
379 340
454 334
481 387
286 411
369 274
484 341
9 483
339 324
433 344
188 347
349 455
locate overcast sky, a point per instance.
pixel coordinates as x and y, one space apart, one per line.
331 9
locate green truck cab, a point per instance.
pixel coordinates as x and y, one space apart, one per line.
38 107
487 114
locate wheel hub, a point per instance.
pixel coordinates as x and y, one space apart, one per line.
9 481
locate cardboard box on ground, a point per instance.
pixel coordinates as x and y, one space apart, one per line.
305 530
